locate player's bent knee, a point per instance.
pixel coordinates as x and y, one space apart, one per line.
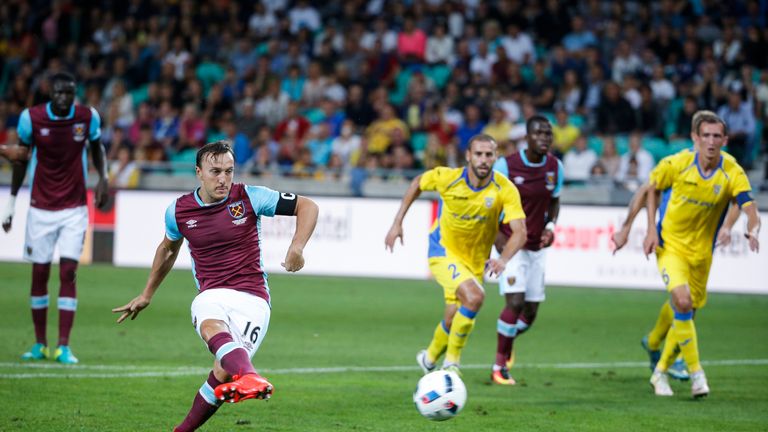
211 327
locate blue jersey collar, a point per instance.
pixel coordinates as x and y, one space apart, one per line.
53 116
528 163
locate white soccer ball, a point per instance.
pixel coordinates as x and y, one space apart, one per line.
440 395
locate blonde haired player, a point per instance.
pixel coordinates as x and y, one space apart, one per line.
697 188
472 199
652 342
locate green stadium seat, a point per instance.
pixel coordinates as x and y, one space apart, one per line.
139 95
596 144
439 74
397 97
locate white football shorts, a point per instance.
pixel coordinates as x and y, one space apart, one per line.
525 273
48 228
246 315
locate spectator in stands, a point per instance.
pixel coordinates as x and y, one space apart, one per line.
272 108
648 118
192 128
123 172
470 126
382 131
166 127
303 15
740 118
578 162
347 145
570 94
614 114
294 125
320 144
498 126
636 164
609 159
381 33
579 38
564 133
440 47
518 44
411 42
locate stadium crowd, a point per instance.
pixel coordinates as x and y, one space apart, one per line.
364 88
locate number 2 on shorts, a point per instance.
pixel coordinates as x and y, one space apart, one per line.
454 272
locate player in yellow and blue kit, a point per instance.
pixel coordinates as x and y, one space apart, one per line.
697 188
652 341
472 200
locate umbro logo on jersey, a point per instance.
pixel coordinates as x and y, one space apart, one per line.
191 223
45 131
518 180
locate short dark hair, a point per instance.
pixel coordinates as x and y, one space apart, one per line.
538 118
63 77
213 149
481 137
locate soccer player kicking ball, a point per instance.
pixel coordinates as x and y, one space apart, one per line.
538 175
221 222
57 135
472 199
697 188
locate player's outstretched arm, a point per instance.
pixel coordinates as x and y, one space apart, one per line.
635 205
651 236
396 231
99 156
306 219
724 234
753 227
516 241
165 257
17 178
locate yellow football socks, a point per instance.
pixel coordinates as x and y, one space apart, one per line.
439 342
660 330
463 323
682 334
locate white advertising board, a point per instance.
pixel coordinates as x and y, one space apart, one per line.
348 240
582 255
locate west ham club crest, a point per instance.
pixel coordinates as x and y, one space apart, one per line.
236 210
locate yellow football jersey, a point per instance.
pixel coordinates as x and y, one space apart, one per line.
467 219
692 206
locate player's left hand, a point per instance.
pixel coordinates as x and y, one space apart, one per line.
7 216
754 242
547 238
723 237
294 260
132 309
651 242
102 194
495 266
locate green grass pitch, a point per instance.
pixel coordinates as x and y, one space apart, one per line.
340 352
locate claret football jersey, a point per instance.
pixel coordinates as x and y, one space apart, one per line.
59 165
224 238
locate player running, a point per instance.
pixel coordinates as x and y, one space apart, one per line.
697 188
472 199
538 175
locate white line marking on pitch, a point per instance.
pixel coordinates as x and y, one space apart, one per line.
84 371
